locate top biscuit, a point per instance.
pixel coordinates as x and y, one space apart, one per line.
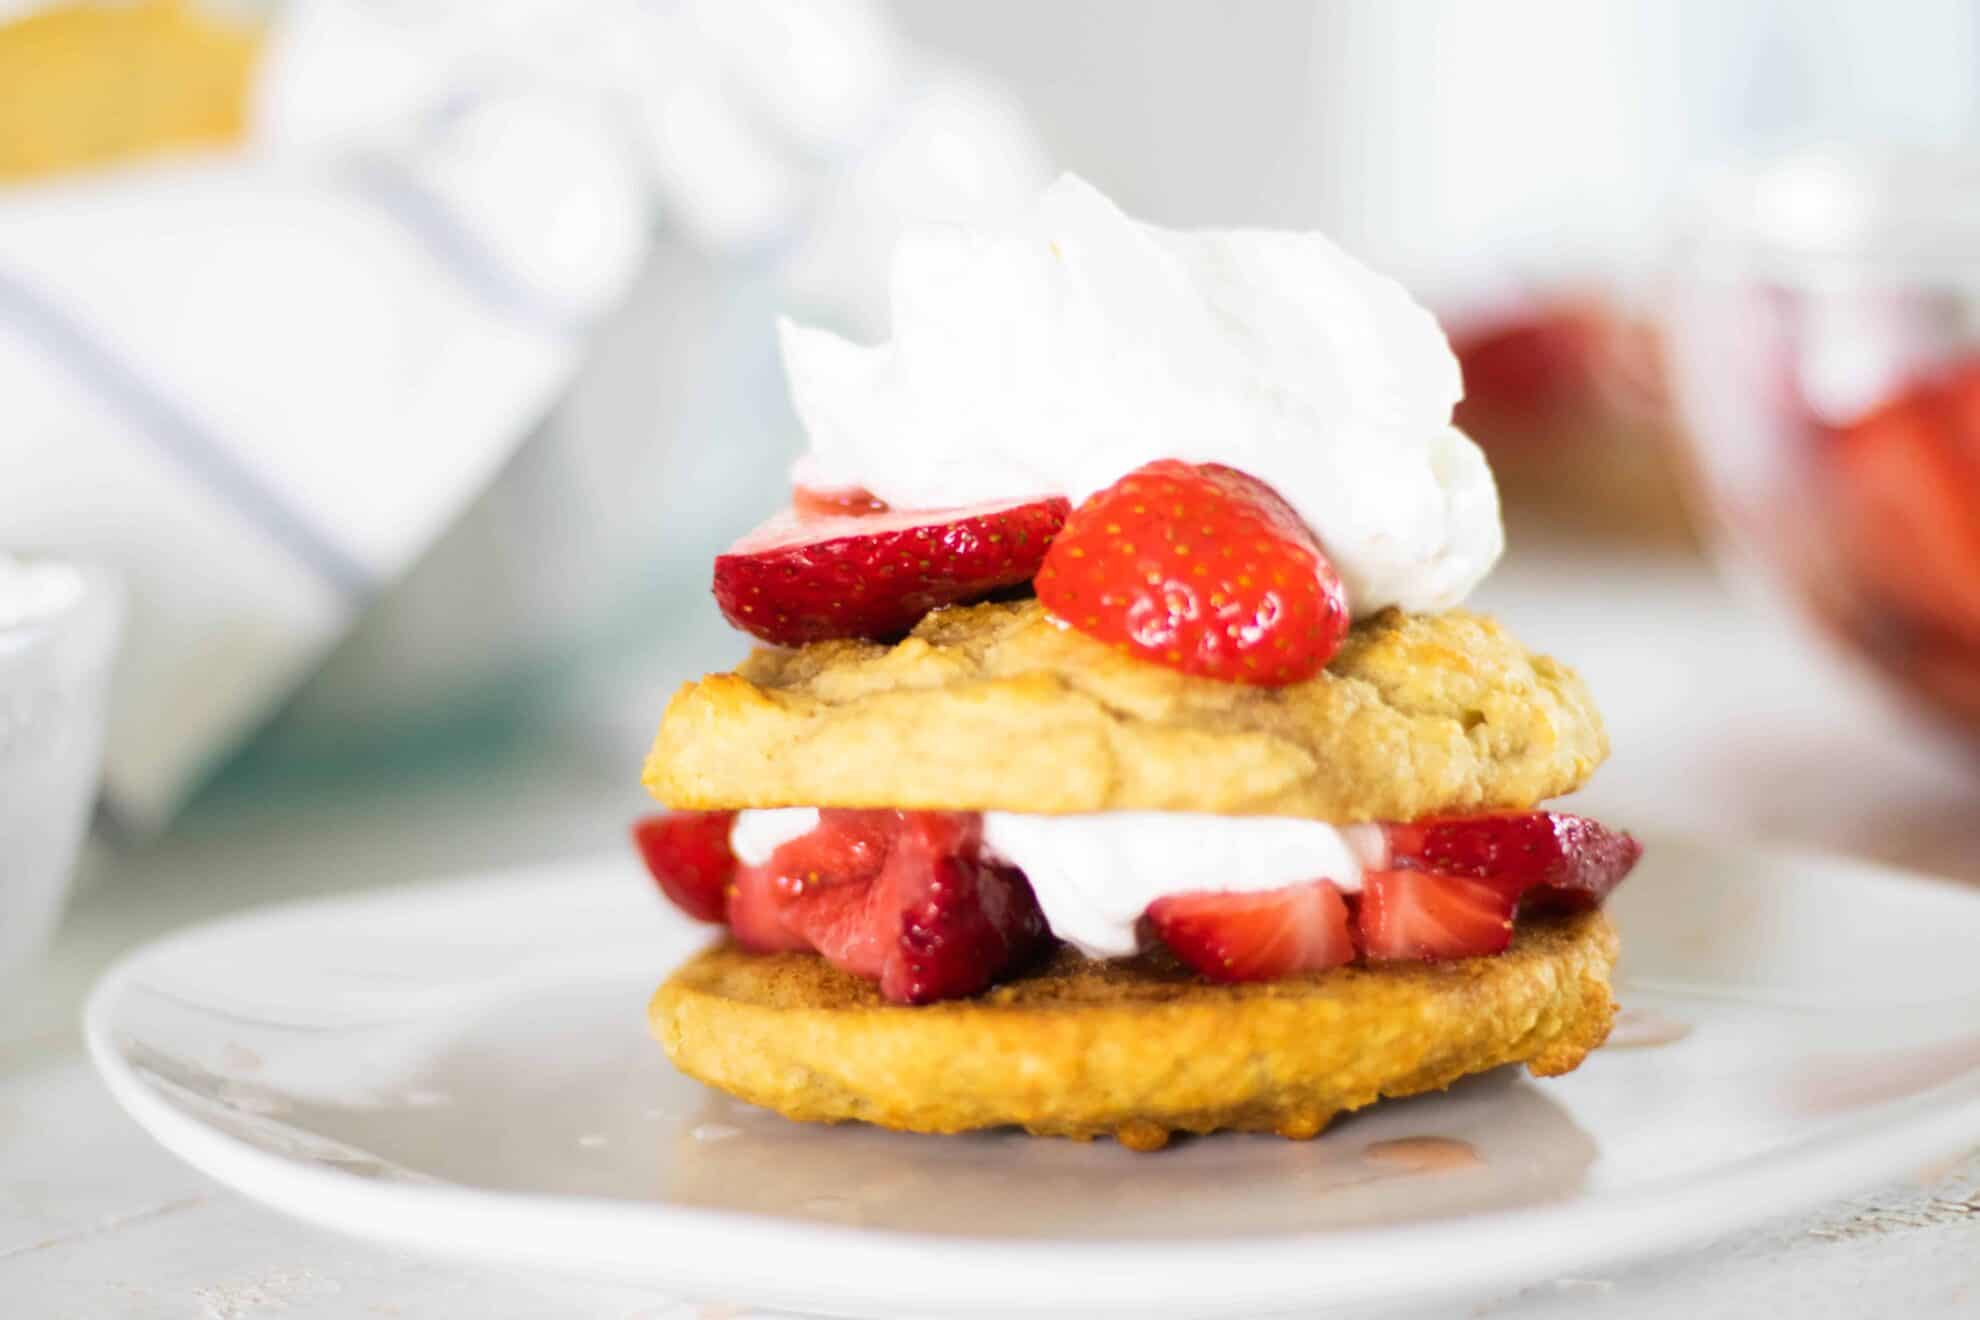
998 707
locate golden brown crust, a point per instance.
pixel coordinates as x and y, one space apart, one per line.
1139 1049
997 707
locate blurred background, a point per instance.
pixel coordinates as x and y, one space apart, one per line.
392 369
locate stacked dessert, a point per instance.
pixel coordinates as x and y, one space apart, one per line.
1118 762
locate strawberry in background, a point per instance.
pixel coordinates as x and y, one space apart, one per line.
1901 487
1565 392
1523 367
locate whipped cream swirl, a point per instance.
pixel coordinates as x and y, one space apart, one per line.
1055 357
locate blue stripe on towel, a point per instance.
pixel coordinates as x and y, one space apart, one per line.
455 246
178 436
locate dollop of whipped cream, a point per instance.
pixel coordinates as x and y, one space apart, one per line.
1095 875
1055 357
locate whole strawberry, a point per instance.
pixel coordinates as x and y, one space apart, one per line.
1201 568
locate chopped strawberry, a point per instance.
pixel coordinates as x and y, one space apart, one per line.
1418 914
1571 857
847 846
1905 487
854 500
688 854
1200 568
823 889
904 898
756 914
908 898
962 918
808 577
1258 936
1451 886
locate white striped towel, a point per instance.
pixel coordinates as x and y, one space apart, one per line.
260 383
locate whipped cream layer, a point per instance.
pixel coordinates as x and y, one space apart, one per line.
1057 356
1095 875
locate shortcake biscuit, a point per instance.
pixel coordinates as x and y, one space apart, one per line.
1137 1049
996 706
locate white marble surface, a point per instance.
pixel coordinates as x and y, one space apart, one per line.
1720 722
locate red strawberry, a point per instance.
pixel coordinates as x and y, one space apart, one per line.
1451 886
688 854
962 919
848 845
823 889
1961 383
900 897
756 914
1529 365
805 578
1417 914
854 500
1256 937
1905 482
1202 569
1576 860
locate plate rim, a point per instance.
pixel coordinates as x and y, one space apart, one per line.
989 1276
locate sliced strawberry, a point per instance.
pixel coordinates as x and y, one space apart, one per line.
1202 569
1417 914
1574 859
1452 886
805 578
902 898
688 854
1256 937
853 500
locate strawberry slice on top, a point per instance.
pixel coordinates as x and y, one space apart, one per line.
842 570
1201 568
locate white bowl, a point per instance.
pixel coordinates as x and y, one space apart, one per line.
1823 325
58 633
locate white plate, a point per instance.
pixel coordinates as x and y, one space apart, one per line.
463 1067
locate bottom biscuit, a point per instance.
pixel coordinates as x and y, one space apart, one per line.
1136 1050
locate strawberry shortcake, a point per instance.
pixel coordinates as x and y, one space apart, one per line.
1119 759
